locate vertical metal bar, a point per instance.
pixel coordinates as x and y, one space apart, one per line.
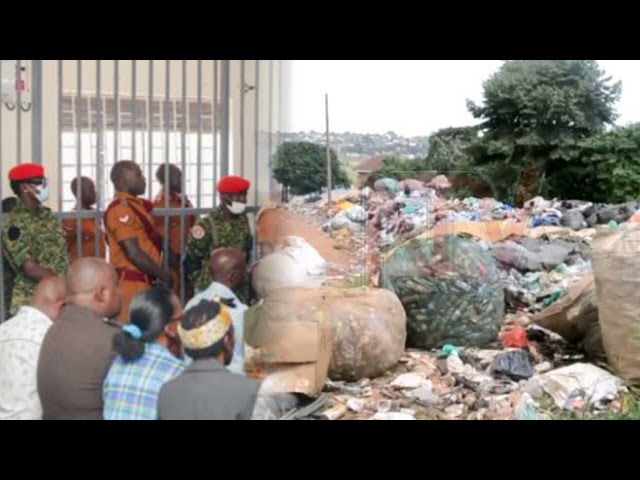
167 85
256 160
215 133
2 290
99 156
36 111
224 137
270 141
329 182
199 144
242 90
257 132
116 111
150 129
134 99
60 120
79 154
185 118
18 112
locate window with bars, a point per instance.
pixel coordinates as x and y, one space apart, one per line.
122 136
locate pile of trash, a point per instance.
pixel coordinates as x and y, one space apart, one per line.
529 383
534 299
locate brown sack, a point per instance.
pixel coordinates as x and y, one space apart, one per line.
616 266
368 326
575 318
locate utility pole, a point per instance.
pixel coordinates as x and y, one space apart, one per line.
326 108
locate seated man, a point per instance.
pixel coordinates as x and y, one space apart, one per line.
206 390
20 341
77 350
228 269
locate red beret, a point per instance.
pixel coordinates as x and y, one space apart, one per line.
25 171
233 184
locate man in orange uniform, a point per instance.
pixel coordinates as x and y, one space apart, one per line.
175 201
135 247
87 225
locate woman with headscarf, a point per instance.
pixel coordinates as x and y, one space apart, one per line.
147 349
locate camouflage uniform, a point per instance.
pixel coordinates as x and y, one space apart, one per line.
214 231
7 278
36 236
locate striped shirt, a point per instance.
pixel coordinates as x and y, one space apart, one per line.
131 389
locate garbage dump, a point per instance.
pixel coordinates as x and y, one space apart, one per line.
504 305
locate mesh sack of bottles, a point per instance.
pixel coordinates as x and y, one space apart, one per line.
450 289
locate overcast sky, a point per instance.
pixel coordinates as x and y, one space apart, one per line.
410 97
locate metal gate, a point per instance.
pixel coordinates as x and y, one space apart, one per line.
78 117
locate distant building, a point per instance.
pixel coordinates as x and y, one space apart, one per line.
364 169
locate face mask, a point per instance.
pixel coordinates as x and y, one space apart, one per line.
237 208
42 193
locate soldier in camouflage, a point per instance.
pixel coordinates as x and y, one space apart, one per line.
225 226
32 237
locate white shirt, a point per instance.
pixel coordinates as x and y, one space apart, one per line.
237 318
20 341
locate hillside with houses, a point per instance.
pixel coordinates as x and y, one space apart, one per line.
354 147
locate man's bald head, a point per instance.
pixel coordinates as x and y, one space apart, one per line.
49 296
126 176
228 266
93 283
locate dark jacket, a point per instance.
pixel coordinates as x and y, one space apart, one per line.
74 360
208 391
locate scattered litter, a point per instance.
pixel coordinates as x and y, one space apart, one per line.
580 379
425 395
392 416
409 381
356 405
526 409
455 365
334 413
454 410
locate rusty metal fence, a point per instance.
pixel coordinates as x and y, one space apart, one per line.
209 117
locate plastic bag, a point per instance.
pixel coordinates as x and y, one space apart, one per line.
340 221
450 288
526 408
514 364
296 264
573 220
580 379
390 185
357 214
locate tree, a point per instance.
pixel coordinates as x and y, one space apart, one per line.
609 169
449 149
536 112
301 168
394 167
